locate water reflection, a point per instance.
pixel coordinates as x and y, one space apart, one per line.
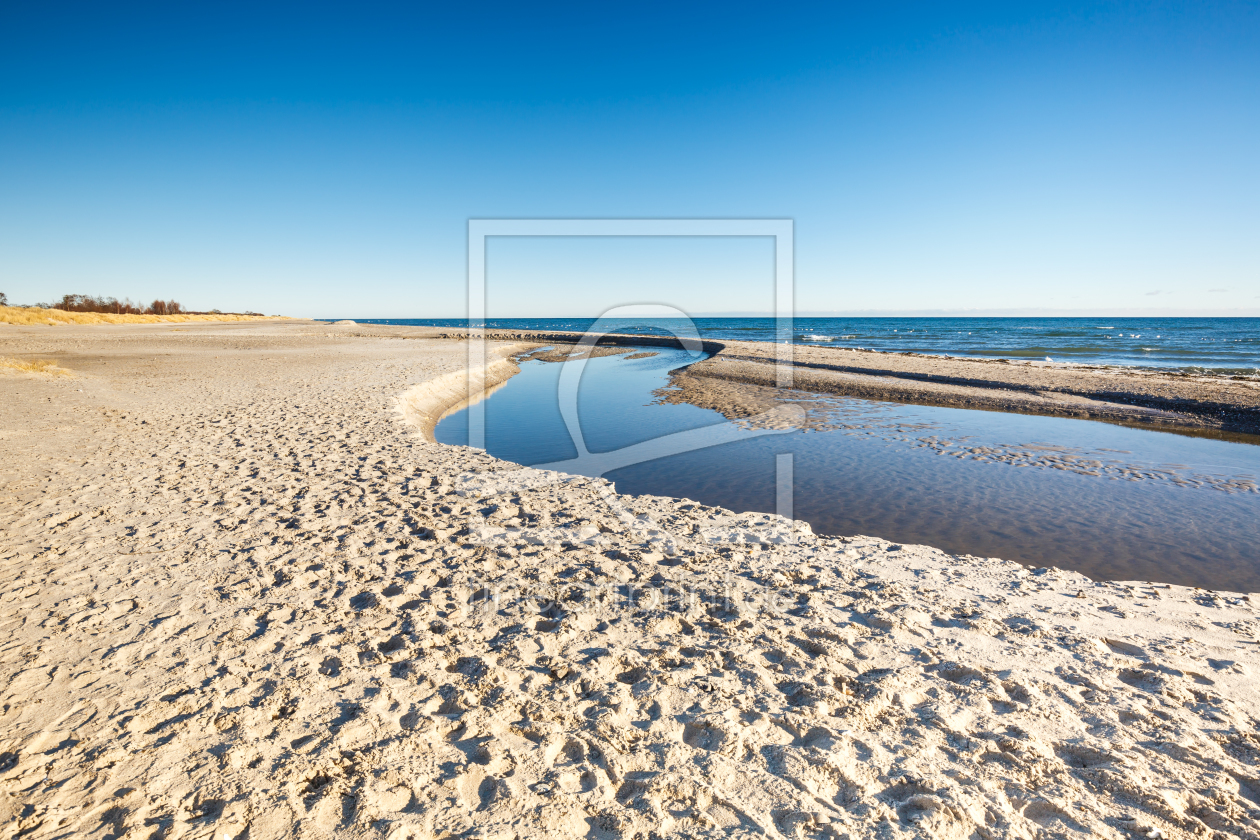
1110 501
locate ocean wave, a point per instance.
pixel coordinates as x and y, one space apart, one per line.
1220 345
1238 373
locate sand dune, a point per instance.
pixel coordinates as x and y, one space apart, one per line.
34 316
243 595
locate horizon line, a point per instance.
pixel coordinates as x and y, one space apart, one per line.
894 313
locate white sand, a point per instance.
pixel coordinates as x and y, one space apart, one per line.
238 599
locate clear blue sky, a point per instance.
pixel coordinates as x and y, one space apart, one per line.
320 160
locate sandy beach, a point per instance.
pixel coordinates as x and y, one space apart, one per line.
245 595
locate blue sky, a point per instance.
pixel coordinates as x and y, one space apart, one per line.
322 160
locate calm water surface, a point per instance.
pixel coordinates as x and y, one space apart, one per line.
1157 506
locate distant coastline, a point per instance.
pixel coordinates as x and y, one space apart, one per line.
1225 346
1119 312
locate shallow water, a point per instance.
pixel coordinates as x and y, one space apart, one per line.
1110 501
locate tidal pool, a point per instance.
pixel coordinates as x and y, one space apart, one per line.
1112 502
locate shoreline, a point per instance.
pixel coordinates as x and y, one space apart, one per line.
1207 404
425 404
244 593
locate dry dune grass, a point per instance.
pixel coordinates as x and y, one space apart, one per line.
54 317
48 367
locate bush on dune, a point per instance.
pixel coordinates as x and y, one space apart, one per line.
112 306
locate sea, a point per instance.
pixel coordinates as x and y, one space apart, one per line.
1229 346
